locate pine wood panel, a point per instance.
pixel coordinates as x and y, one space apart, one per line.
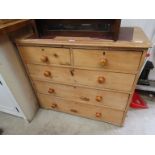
134 85
116 81
86 110
46 55
80 94
127 61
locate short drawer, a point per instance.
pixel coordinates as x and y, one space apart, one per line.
46 55
80 109
110 99
99 79
125 61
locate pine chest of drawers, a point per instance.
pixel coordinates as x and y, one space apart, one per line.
94 78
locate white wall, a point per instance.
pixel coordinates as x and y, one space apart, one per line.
15 77
148 26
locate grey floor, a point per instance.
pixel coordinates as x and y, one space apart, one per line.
54 123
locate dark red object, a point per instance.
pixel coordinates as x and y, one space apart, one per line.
147 54
137 102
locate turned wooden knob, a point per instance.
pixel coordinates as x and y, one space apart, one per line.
103 61
54 105
101 79
47 73
98 114
73 110
99 98
50 90
44 58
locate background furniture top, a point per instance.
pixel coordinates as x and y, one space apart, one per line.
100 28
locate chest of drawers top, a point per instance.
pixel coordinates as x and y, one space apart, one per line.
130 38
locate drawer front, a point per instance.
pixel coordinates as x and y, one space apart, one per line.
100 79
80 94
51 73
89 111
127 61
46 55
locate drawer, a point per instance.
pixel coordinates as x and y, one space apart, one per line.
103 79
46 55
110 99
89 111
125 61
99 79
50 73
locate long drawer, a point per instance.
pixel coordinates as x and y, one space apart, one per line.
46 55
110 99
125 61
89 111
100 79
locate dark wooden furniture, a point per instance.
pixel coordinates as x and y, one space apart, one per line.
97 28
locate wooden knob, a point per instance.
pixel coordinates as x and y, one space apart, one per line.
50 90
44 58
73 110
99 98
47 73
103 61
98 114
54 105
101 79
